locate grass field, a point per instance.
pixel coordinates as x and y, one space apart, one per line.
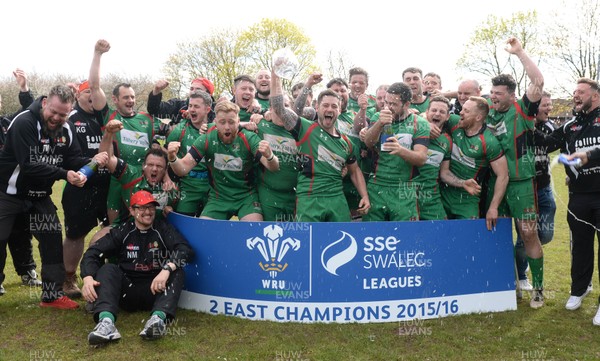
551 333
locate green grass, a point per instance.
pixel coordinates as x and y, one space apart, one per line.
551 333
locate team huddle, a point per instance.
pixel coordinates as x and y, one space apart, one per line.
406 154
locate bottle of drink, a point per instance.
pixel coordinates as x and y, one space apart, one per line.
386 132
89 169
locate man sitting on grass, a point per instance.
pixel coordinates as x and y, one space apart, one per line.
148 274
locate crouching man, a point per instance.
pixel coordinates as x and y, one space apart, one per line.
148 274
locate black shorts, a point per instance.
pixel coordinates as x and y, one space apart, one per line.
84 209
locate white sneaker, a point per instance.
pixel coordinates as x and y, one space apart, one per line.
537 299
524 285
104 332
574 302
596 319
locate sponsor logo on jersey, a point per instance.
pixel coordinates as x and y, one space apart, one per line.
497 129
329 157
133 138
346 128
459 156
162 198
405 140
434 158
281 144
228 162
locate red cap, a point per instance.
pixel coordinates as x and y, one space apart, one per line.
210 88
141 198
83 86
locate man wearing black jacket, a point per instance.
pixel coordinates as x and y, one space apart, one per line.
580 138
147 275
84 207
40 149
19 241
176 109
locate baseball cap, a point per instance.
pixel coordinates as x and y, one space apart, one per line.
141 198
83 86
210 88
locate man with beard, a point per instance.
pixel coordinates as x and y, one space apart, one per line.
545 198
474 149
41 149
147 274
323 153
263 88
194 187
230 155
439 150
403 140
578 138
176 109
512 121
84 207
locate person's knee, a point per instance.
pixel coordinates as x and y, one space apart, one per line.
546 236
107 269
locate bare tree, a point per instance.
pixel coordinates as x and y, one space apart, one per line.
573 41
484 52
338 64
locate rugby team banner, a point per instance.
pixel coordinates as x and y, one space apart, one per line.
347 272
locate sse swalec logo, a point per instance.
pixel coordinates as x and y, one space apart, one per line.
331 263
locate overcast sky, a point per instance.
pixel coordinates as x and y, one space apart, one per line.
383 37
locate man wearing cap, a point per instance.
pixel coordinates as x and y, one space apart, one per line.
148 273
175 109
84 207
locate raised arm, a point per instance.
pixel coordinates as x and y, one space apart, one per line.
289 118
180 166
98 97
106 145
314 78
360 119
536 85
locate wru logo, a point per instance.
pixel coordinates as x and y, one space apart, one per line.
339 259
273 249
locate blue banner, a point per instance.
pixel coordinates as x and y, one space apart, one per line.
348 272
